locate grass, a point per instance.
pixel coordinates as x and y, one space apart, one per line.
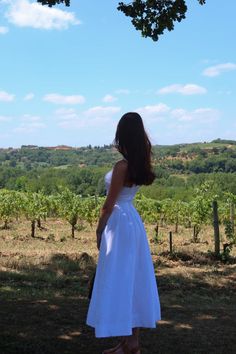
207 146
44 287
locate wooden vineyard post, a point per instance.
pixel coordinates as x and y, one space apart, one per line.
194 233
171 244
39 223
33 228
157 230
216 227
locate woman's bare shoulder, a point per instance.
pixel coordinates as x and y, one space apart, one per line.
121 166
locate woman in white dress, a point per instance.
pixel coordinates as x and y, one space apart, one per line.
125 295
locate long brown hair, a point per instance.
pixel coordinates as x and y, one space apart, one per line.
133 143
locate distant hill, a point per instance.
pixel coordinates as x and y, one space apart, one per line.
179 168
216 156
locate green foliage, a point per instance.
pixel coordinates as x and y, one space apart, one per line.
151 17
44 182
91 208
78 210
229 231
224 141
35 206
51 3
227 210
75 209
158 238
69 207
149 209
10 206
177 213
200 208
84 169
200 211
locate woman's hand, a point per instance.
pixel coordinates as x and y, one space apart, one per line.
99 238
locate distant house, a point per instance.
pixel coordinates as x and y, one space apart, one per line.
60 147
29 147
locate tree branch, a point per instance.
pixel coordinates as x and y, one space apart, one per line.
151 17
51 3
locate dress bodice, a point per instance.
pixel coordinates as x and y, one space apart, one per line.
127 193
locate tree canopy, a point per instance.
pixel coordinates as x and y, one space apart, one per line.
151 17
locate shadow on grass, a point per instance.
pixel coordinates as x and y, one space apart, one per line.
197 258
43 311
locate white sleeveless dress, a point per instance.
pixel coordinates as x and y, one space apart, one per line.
125 292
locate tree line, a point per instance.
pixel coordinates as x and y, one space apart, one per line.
90 181
216 156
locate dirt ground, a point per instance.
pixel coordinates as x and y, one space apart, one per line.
44 286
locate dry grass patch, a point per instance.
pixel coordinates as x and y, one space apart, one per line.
44 287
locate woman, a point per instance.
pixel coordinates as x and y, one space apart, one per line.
125 295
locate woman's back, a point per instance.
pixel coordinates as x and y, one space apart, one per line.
126 194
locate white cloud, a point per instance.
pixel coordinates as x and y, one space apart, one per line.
178 112
98 117
24 13
154 112
100 111
29 127
200 115
3 30
69 118
6 97
29 118
4 119
109 98
66 114
29 124
166 119
188 89
123 92
216 70
60 99
29 97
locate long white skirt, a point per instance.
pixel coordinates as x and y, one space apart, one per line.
125 292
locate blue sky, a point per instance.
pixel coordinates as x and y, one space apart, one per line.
68 74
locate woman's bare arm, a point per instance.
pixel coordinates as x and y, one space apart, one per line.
117 183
